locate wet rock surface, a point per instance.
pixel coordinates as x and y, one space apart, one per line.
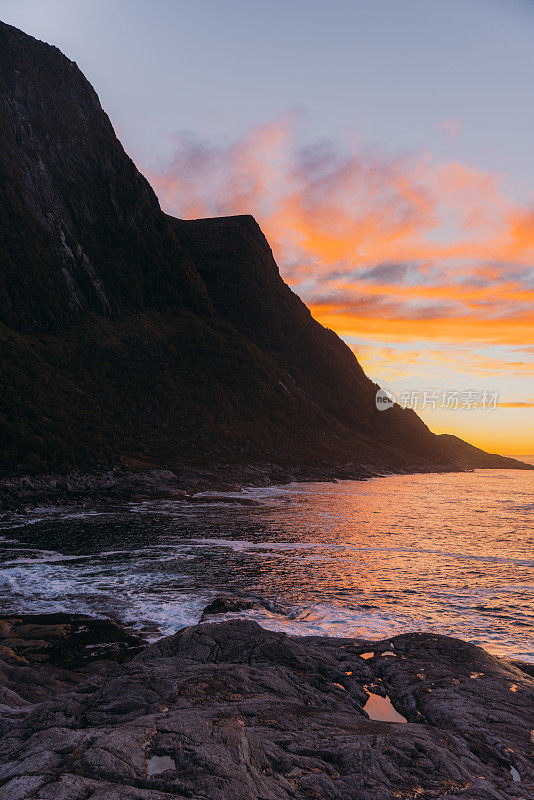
42 655
232 603
230 710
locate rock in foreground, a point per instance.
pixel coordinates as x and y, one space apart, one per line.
230 710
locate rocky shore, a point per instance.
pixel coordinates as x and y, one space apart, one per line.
120 486
230 710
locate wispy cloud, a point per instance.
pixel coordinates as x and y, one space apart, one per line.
393 362
452 128
517 404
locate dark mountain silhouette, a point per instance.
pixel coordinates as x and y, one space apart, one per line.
129 336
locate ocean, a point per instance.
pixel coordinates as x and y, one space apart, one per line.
449 553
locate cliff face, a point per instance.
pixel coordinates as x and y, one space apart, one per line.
127 335
81 228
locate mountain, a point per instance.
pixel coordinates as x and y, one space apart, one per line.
127 336
81 228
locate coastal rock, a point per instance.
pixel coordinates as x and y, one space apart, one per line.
233 603
225 604
42 655
231 710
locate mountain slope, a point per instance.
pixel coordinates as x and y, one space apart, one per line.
127 336
81 228
244 284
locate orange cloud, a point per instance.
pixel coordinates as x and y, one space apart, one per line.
395 362
323 206
385 247
396 325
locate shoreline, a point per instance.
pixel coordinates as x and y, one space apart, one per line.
19 493
121 485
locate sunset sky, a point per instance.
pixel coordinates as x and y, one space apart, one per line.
386 149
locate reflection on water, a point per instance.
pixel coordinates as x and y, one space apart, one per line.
449 553
381 708
158 764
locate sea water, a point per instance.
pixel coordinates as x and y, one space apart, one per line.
449 553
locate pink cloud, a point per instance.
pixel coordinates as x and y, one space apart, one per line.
369 232
452 128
